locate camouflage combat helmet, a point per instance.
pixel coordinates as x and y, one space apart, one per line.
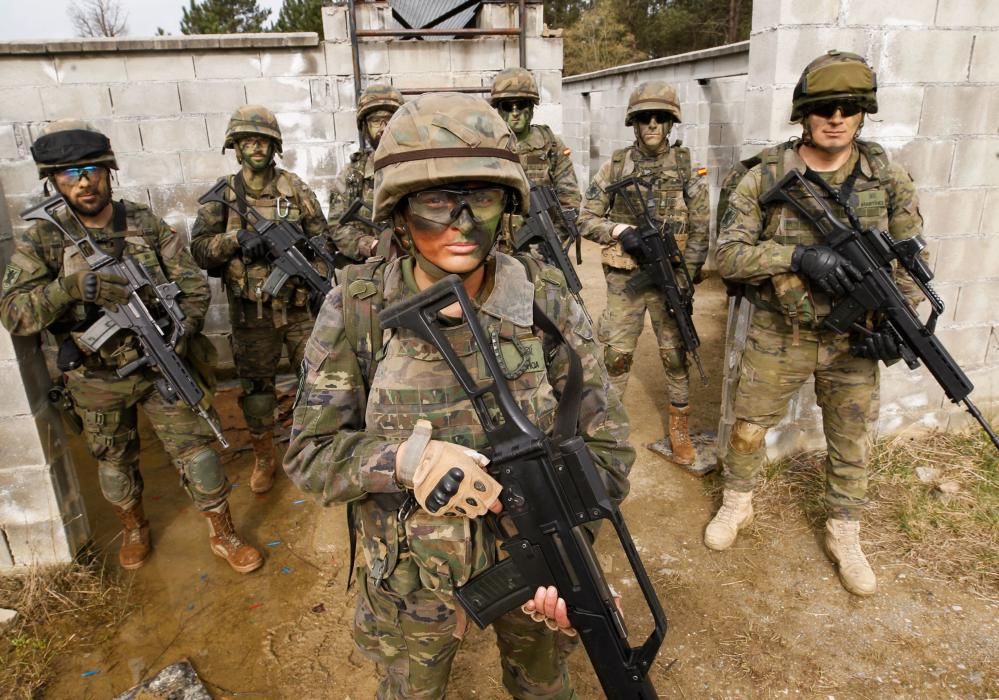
442 138
653 96
252 119
836 75
375 97
67 143
513 83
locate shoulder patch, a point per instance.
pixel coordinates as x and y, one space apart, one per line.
361 289
593 191
10 276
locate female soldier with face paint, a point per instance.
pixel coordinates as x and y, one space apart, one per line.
380 415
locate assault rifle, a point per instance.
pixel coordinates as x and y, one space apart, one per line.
660 263
871 252
538 228
157 334
551 490
288 248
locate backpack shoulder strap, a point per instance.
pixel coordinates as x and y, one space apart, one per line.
362 300
683 165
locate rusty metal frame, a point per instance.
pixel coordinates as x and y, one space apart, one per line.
355 48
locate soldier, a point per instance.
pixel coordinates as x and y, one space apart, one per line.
792 277
680 197
223 244
49 286
544 157
357 240
366 410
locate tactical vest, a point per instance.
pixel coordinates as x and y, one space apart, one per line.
407 379
872 200
538 163
669 172
246 280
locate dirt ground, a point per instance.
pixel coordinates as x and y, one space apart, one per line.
767 618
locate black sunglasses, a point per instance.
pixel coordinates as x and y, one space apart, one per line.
645 118
511 105
827 110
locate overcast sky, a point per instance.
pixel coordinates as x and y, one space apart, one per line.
49 19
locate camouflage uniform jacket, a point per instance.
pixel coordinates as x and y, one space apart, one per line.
355 181
679 195
755 245
545 159
344 438
214 244
33 300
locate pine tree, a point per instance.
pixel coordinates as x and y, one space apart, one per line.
223 17
300 16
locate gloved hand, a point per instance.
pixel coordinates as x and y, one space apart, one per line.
102 288
446 479
633 245
252 244
880 344
828 269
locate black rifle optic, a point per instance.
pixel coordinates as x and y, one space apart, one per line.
288 248
551 490
871 252
660 263
538 228
157 336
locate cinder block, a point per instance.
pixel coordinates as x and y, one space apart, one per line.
21 104
169 66
22 445
992 353
975 14
975 162
797 46
976 303
216 125
928 161
8 143
345 125
511 55
29 495
335 24
91 69
544 53
339 58
299 127
550 85
176 203
212 96
280 94
124 134
985 59
324 94
345 92
816 12
38 544
422 81
145 99
960 259
990 218
873 14
373 57
766 16
205 166
762 60
766 116
905 55
186 133
476 54
475 79
959 109
899 110
951 212
21 72
16 400
420 56
551 115
300 62
968 346
76 101
231 64
20 178
150 169
311 162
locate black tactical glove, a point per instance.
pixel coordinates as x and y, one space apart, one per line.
252 244
102 288
879 344
828 269
633 245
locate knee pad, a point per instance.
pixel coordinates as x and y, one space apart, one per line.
674 361
747 437
617 362
117 483
258 407
203 475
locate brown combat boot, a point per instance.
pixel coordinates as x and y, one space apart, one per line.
684 453
262 477
135 542
242 557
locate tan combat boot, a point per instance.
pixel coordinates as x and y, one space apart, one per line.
735 514
135 542
843 546
262 477
242 557
684 453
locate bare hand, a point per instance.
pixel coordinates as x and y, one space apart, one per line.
547 607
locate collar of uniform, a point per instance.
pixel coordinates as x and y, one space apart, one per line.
512 297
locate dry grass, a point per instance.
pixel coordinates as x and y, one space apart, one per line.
62 610
953 536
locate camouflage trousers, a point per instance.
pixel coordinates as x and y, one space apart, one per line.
108 408
621 324
256 350
846 388
410 637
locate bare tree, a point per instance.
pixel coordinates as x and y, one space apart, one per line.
97 18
